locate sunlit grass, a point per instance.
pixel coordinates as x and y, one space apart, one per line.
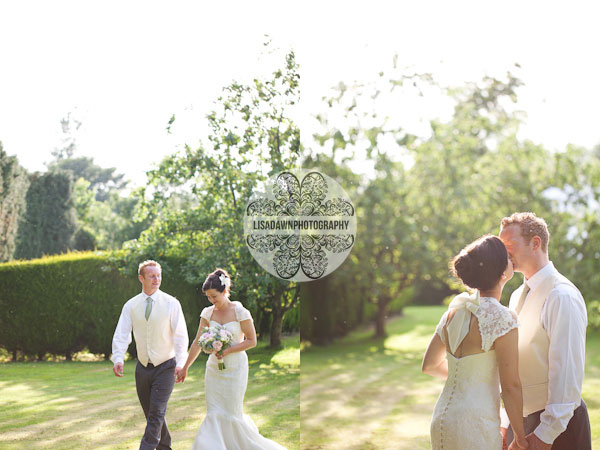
362 393
78 405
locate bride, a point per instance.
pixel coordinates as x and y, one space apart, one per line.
475 349
225 426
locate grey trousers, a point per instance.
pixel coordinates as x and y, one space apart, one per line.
154 385
577 436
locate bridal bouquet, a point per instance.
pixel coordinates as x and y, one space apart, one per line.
215 339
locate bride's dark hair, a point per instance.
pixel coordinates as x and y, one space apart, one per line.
480 264
213 281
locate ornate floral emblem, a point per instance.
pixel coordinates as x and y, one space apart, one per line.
303 228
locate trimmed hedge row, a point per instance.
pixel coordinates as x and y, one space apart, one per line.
61 304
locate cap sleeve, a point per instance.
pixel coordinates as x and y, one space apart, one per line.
241 313
440 328
207 313
495 322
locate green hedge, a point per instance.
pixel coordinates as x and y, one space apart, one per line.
61 304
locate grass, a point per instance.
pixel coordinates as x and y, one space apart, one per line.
362 393
77 405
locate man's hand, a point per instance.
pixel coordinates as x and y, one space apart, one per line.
524 445
180 374
503 432
118 369
536 443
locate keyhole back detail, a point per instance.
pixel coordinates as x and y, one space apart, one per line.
472 342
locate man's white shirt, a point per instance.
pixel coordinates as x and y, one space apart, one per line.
564 318
159 338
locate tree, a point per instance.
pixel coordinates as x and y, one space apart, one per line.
69 126
107 224
382 268
575 237
251 137
473 171
423 198
103 181
49 222
334 305
13 189
106 218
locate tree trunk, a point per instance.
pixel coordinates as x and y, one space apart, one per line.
14 358
69 356
382 310
276 325
264 325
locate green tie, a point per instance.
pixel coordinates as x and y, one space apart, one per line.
148 307
522 299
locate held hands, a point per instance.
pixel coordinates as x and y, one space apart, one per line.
118 369
180 374
520 443
536 443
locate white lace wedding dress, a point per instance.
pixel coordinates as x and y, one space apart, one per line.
225 426
467 413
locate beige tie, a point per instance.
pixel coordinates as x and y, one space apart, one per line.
522 298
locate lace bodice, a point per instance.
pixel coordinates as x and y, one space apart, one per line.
233 326
495 320
241 313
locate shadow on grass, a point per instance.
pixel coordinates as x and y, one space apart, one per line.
372 392
75 405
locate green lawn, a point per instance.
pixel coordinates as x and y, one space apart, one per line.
82 405
365 394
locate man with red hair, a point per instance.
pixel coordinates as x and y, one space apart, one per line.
553 319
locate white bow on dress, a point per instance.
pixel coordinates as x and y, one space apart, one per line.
457 329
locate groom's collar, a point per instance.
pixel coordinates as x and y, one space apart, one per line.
154 296
537 278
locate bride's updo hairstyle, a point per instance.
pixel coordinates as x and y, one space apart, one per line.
480 264
213 281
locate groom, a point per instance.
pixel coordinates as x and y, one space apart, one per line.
553 321
161 340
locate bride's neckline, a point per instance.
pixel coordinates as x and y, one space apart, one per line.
223 324
212 320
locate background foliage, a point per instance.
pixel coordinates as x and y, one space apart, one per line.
419 197
49 222
13 189
428 196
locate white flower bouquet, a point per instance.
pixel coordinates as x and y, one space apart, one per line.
215 340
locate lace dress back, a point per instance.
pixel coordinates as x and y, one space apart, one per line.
467 413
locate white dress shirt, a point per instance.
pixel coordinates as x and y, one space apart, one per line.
161 337
564 318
